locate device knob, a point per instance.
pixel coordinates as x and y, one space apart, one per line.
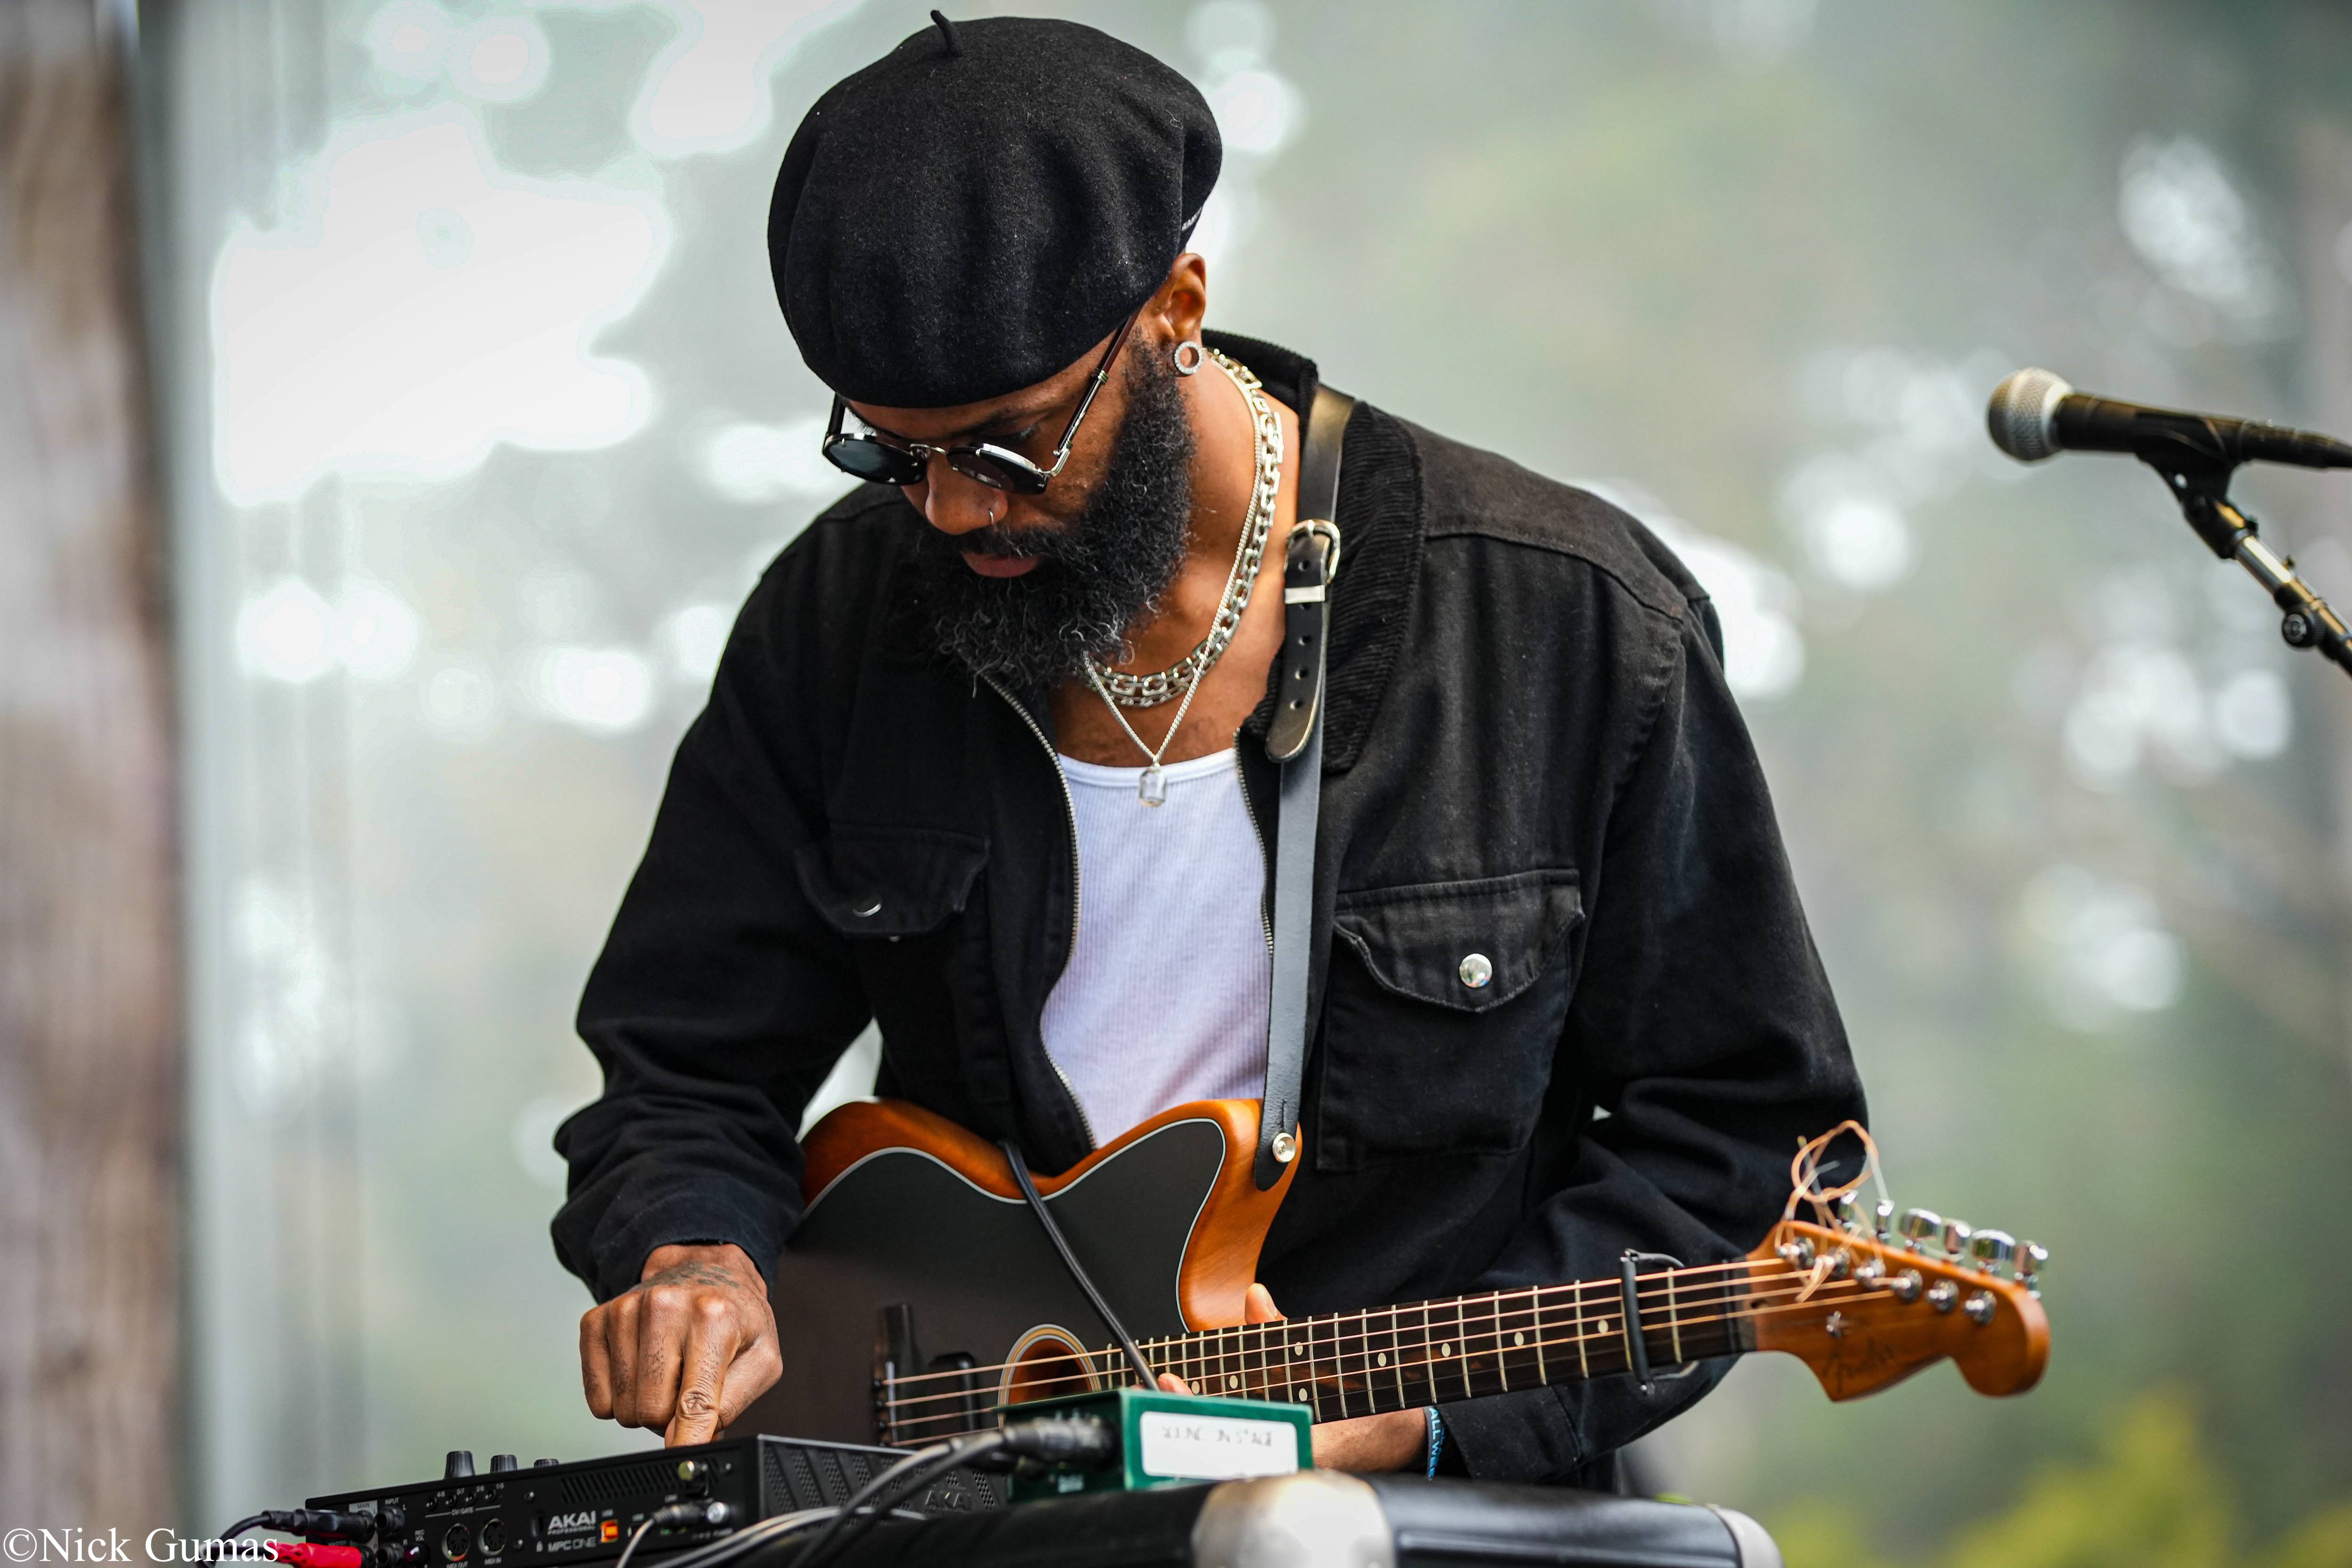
502 1462
1989 1249
542 1464
1956 1237
1920 1224
460 1465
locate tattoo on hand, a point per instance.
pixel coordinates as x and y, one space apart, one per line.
693 1273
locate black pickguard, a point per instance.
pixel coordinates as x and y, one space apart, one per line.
977 1270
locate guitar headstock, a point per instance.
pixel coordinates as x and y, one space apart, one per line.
1864 1306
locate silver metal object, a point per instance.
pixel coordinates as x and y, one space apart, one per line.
1848 1212
1920 1224
1285 1147
1756 1548
1190 356
1162 686
1835 1327
1943 1295
1905 1285
1840 1263
1979 1307
1869 1271
1315 1518
2022 416
1956 1237
1882 1216
1989 1249
1477 970
1797 1254
2032 1259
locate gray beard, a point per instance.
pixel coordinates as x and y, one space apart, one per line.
1094 578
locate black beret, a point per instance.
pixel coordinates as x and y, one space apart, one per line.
973 212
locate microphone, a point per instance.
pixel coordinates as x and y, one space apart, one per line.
2033 416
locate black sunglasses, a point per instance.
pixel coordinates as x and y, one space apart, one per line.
892 462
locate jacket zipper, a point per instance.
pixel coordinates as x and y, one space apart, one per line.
1070 816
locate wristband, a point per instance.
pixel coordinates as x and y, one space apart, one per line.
1436 1435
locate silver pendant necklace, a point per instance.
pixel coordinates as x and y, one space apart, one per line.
1151 788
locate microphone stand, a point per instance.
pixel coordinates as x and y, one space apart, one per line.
2200 481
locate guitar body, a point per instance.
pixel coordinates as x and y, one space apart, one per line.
910 1211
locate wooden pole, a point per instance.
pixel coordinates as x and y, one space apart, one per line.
90 1031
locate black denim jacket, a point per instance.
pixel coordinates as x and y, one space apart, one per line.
1531 754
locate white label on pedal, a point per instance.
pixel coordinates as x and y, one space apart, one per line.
1215 1447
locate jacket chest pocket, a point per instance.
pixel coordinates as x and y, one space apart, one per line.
905 892
889 881
1438 1037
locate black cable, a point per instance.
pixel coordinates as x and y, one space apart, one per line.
330 1523
1145 1376
916 1470
1082 1440
700 1512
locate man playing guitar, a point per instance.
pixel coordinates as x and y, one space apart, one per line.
984 762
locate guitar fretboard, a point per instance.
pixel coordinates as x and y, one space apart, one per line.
1345 1364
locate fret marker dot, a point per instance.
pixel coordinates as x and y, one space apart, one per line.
1231 1382
1446 1349
1383 1358
1518 1338
1299 1350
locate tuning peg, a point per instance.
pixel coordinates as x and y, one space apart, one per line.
1882 1216
1920 1224
1956 1237
1989 1249
2031 1258
1847 1211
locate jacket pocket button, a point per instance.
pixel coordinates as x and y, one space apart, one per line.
1476 971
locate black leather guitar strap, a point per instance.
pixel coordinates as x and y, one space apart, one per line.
1295 741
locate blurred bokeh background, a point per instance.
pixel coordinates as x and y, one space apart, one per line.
477 419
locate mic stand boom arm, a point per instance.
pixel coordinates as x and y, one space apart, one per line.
2200 483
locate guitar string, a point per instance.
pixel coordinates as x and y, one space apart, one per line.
1610 1289
1771 1305
1661 1286
1606 1294
1795 1290
1320 1385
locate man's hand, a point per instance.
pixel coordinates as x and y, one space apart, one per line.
685 1349
1396 1441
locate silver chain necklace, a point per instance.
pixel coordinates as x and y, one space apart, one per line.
1151 788
1152 690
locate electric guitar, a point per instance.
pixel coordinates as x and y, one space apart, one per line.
919 1293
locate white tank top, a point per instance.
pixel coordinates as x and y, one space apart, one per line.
1165 996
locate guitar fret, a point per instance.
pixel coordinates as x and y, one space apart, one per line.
1673 1322
1370 1392
1458 1348
1302 1359
1339 1374
1502 1366
1535 1316
1396 1357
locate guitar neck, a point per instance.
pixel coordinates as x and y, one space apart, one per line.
1467 1347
